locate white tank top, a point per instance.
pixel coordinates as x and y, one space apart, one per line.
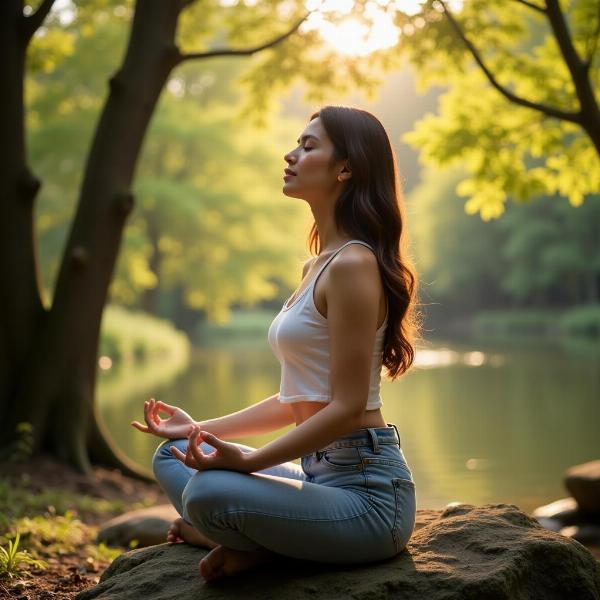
299 338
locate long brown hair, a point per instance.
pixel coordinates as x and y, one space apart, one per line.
371 209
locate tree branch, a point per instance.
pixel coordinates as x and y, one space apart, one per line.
532 5
242 51
34 21
573 117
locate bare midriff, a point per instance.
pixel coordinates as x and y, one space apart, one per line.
305 410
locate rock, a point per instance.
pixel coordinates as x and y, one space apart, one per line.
583 483
148 526
465 552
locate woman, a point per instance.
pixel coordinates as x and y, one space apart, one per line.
352 500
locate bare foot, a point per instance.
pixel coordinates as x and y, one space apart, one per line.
223 561
182 531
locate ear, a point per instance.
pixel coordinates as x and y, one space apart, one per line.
345 173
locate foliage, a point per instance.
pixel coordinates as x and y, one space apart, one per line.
13 560
55 533
458 257
517 322
509 151
543 253
579 321
22 447
131 336
209 219
582 321
102 552
18 500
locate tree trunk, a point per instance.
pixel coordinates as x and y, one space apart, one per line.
149 300
48 357
21 310
57 350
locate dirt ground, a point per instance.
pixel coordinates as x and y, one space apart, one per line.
70 572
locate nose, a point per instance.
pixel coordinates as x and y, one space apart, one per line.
290 157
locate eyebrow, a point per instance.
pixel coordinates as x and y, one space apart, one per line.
305 137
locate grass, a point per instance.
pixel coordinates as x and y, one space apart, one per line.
45 529
13 560
17 501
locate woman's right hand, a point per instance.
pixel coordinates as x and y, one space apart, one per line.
178 425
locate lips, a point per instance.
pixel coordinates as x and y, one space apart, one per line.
289 172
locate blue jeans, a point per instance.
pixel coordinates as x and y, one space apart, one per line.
351 502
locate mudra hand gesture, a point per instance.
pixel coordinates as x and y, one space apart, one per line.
225 456
178 425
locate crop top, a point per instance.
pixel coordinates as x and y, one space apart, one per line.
299 338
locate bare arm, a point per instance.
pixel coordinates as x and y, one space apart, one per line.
262 417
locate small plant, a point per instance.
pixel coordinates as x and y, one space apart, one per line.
102 552
52 533
13 560
22 447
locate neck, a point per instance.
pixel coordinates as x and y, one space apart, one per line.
330 237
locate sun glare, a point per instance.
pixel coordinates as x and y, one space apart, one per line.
374 30
349 35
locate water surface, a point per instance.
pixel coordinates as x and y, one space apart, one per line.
480 422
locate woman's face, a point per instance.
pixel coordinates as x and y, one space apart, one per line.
309 174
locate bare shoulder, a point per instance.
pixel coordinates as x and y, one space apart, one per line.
354 278
355 261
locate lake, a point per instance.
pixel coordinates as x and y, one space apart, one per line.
480 421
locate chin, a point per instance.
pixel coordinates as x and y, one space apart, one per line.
290 193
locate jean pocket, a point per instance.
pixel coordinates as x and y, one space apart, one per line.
405 511
342 459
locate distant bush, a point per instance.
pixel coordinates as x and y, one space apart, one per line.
582 321
577 321
243 324
129 337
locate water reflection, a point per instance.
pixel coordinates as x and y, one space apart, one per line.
427 358
479 422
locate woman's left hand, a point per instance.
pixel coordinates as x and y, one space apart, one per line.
225 456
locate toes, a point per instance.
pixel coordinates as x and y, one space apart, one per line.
174 532
211 566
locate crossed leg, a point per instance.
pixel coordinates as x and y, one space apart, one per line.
173 477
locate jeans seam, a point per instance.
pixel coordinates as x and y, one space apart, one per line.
364 472
255 512
399 481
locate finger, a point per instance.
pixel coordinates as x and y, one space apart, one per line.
196 451
191 460
139 426
148 419
166 407
178 454
155 415
211 439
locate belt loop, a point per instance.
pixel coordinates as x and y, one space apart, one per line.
397 432
374 440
